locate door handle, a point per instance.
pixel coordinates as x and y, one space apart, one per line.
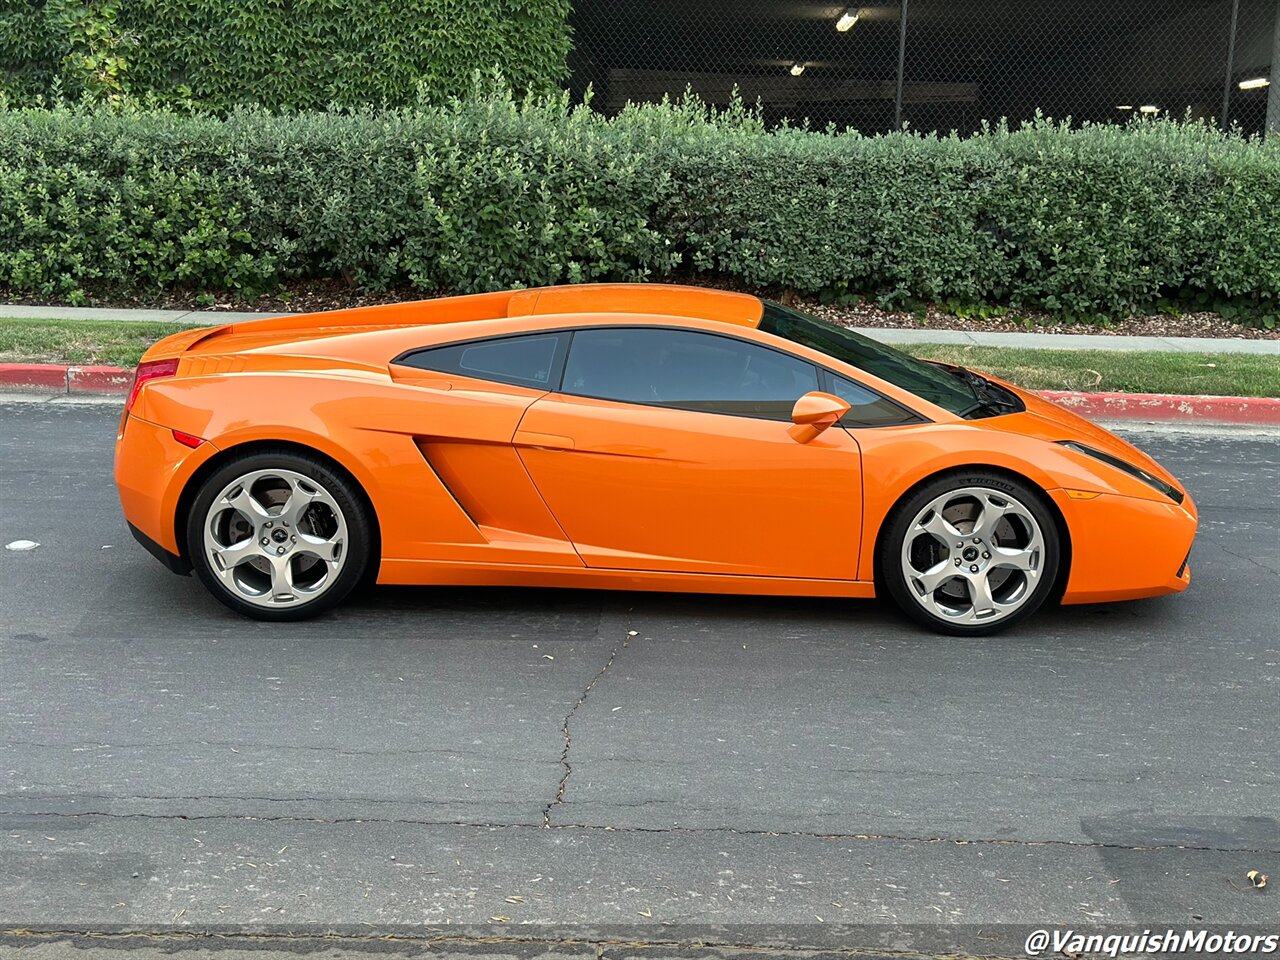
545 441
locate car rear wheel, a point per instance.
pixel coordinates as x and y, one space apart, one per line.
970 554
279 536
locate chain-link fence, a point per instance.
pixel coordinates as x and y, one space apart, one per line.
938 64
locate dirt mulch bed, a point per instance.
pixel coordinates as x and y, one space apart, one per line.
316 295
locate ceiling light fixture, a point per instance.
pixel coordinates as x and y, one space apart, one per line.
847 20
1254 83
797 69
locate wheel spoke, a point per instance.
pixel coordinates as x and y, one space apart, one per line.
282 578
931 579
984 604
940 527
1026 560
244 501
296 506
237 553
989 518
326 550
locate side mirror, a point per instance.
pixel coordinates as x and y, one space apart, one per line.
813 413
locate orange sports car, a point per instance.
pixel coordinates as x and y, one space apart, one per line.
627 436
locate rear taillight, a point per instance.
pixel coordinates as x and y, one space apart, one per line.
150 370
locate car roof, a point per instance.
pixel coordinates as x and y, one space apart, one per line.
652 300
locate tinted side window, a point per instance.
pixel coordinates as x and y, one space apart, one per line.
868 409
531 360
691 371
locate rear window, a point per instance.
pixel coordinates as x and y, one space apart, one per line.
531 360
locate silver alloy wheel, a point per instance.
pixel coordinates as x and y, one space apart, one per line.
276 538
973 555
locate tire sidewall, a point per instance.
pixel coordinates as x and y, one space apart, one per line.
355 513
890 549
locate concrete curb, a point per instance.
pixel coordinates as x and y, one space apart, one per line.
1163 407
55 380
58 379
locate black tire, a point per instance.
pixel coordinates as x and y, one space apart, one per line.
357 547
891 572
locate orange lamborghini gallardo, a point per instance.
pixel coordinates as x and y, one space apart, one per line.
639 437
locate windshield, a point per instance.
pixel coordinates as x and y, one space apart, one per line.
925 380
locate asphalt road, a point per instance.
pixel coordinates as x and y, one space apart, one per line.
633 768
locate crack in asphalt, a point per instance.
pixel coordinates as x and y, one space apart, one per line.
604 828
1240 556
567 769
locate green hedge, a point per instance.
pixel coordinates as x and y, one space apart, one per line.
489 193
280 54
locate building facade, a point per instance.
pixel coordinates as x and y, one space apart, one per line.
938 64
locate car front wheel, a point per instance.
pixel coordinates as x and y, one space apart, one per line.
279 536
970 554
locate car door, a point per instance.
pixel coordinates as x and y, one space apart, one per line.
667 449
476 392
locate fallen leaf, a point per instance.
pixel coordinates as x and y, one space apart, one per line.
21 545
515 898
645 913
499 919
633 633
547 656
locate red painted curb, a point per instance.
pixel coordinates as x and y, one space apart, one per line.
54 378
1264 411
112 380
37 377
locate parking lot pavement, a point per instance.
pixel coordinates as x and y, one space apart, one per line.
516 764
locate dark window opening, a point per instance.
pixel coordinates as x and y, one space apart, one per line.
686 370
531 360
867 408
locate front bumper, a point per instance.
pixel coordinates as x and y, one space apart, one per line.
1126 548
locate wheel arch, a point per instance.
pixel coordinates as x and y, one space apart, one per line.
1059 521
250 448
